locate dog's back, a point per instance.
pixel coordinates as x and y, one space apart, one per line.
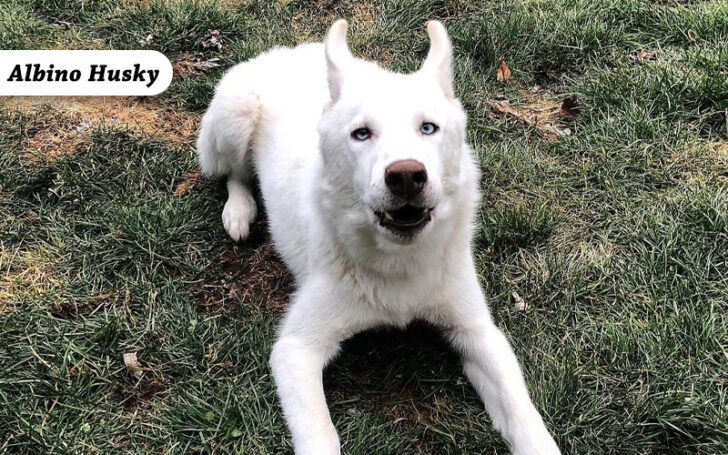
263 120
283 82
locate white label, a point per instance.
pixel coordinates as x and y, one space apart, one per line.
83 73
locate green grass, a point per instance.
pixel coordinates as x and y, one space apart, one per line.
615 235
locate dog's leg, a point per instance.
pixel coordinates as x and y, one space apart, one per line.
309 337
240 209
491 366
226 132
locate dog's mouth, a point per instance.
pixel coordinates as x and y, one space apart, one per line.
406 220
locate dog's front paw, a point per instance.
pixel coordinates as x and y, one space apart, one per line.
320 445
538 444
237 216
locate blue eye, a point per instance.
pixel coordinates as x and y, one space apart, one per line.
361 134
428 128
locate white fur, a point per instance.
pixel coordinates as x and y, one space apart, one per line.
288 115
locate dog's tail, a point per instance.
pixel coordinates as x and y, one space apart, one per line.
229 126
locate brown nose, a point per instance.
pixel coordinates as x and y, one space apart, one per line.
405 178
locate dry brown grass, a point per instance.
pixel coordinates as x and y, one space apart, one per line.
720 151
68 122
698 159
189 181
190 64
361 15
25 274
548 114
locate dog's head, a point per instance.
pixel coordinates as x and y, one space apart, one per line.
392 144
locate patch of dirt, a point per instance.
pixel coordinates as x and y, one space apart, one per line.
261 273
370 372
56 140
550 116
134 394
66 124
255 274
139 382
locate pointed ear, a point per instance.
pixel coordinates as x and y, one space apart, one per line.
338 57
439 58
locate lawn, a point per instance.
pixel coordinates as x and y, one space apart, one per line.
604 162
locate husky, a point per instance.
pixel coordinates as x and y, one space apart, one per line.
370 191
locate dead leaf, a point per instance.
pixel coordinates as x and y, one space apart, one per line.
520 304
83 126
189 181
504 107
147 41
212 40
132 364
188 65
642 55
646 55
504 73
204 65
557 131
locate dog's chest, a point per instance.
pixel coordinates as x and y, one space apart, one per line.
393 299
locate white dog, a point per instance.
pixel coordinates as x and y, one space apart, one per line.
370 191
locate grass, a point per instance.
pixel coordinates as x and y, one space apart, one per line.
614 232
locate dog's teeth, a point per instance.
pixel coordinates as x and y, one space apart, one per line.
388 216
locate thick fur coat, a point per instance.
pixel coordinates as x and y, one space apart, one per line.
322 131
